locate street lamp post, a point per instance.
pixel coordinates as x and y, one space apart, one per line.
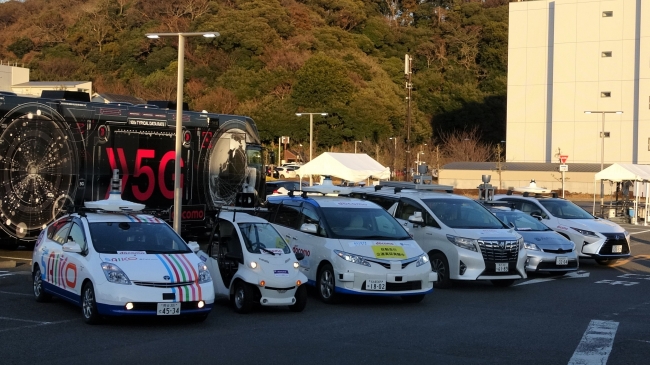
602 151
394 153
355 146
178 193
311 136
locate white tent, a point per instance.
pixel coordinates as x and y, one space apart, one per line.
619 172
347 166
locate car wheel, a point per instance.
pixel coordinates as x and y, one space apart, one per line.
440 265
301 299
325 284
606 262
503 283
242 298
413 298
39 293
89 304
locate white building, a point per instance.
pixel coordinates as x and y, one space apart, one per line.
16 79
566 57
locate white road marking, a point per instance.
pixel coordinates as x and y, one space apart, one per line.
596 343
571 275
576 275
535 281
23 320
5 273
631 233
8 292
617 282
635 276
38 324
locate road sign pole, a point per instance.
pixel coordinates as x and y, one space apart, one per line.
562 184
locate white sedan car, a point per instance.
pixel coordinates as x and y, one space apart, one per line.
120 264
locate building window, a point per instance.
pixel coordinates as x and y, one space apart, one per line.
608 14
606 54
648 144
605 94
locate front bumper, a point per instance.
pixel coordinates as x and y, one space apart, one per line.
112 298
604 248
474 266
546 261
408 281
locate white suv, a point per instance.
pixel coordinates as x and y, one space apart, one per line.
463 239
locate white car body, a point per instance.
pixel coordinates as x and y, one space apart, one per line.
367 266
272 273
69 257
600 239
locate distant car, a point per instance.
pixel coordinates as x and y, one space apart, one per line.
273 186
547 250
285 171
113 263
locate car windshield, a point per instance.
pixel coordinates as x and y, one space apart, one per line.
111 237
262 238
363 223
463 213
521 221
565 209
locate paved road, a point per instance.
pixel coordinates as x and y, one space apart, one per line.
601 314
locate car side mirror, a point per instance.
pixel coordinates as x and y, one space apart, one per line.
309 228
194 246
71 246
300 256
235 257
416 219
536 215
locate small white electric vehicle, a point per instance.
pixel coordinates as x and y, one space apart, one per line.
111 260
252 264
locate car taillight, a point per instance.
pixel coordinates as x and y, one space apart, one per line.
275 191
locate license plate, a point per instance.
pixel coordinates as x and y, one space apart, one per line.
502 267
561 261
168 309
617 248
375 284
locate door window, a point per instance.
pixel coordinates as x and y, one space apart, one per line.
77 235
310 215
60 235
288 215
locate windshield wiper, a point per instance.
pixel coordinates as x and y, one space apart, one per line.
268 251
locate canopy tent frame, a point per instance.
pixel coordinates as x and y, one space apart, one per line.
626 172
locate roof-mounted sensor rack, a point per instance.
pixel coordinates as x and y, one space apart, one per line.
401 185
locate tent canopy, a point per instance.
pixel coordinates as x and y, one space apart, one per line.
347 166
623 171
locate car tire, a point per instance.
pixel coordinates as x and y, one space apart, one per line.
325 284
440 265
503 283
606 262
413 298
39 293
89 304
242 298
301 299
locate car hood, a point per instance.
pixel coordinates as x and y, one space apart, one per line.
549 240
157 268
382 249
595 225
488 234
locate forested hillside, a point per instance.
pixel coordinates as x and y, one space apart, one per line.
278 57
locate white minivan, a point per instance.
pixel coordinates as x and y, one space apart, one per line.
351 246
463 239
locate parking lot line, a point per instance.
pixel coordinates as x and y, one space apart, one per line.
37 324
596 343
9 292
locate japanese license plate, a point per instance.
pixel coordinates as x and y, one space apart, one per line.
375 284
617 248
502 267
561 260
168 309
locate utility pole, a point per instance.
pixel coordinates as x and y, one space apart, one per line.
408 70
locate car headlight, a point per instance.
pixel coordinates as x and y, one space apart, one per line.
252 264
423 259
531 246
296 265
466 243
356 259
114 274
584 232
204 274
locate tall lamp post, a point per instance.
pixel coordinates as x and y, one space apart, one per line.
178 193
355 146
394 153
602 150
311 137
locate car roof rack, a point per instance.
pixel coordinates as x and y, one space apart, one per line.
401 185
497 203
527 194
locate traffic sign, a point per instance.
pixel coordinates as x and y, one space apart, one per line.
563 158
564 168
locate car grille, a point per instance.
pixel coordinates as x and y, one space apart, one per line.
386 263
499 251
551 265
614 239
409 285
163 285
558 250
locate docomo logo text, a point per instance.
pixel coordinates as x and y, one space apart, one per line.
190 212
303 251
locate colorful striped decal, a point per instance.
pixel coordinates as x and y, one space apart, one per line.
180 269
144 218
